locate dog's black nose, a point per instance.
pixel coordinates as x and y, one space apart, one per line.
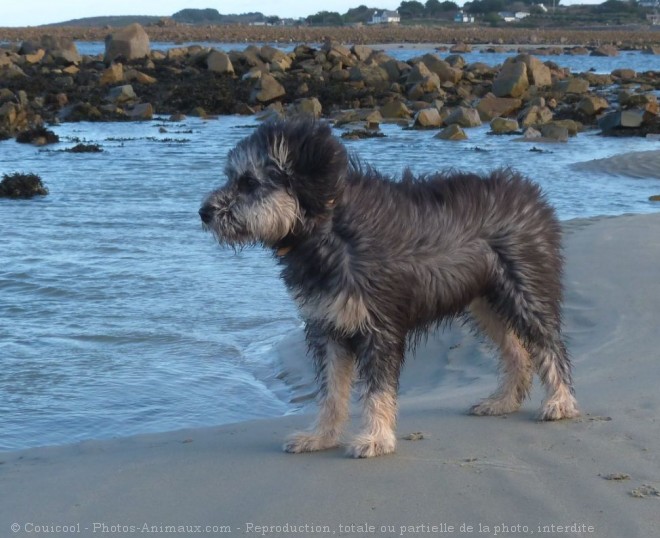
206 214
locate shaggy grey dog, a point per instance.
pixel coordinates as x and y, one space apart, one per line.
374 263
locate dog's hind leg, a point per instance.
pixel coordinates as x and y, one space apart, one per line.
336 367
516 364
554 369
379 363
535 315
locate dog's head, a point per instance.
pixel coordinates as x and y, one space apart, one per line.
280 180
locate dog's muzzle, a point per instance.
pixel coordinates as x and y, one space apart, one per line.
206 214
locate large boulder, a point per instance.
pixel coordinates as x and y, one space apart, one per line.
219 62
395 110
130 43
309 106
465 117
504 125
605 50
427 118
538 74
451 132
535 115
267 89
512 80
61 49
445 72
591 105
573 85
492 107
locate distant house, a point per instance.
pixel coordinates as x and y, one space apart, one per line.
385 17
463 17
510 16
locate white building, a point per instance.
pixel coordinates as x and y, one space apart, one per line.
463 17
385 17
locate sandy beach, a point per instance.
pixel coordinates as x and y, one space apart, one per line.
598 475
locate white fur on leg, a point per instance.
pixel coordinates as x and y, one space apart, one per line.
561 404
377 437
334 406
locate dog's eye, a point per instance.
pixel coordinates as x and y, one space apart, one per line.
247 184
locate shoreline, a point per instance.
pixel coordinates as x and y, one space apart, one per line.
295 371
625 37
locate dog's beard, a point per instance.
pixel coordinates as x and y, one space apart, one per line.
265 221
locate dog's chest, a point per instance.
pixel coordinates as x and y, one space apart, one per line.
342 310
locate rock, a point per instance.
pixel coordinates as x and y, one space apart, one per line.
309 106
219 62
491 107
122 94
61 49
21 186
11 71
511 81
654 198
631 118
133 75
362 52
461 48
463 116
535 115
39 136
112 75
267 89
373 76
532 134
452 132
624 74
647 101
141 111
651 49
573 85
445 72
572 126
605 50
278 60
504 125
36 57
552 131
538 74
130 43
395 110
427 118
591 105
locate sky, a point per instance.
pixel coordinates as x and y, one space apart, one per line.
37 12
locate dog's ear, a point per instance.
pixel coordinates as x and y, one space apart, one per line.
316 164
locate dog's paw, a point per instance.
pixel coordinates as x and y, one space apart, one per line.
308 442
368 446
558 408
494 407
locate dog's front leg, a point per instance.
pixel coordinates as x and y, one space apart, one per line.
335 369
379 363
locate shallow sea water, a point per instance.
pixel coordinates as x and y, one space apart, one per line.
120 316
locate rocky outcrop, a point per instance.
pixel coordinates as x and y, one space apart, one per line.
22 186
129 43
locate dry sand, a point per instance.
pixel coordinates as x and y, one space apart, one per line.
599 474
